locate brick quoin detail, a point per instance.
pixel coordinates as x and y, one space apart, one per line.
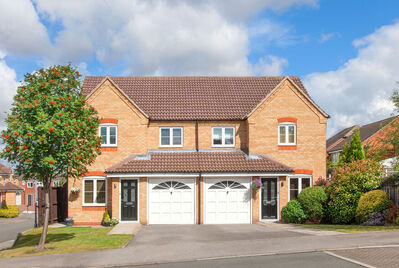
287 119
282 147
303 171
109 120
109 149
95 173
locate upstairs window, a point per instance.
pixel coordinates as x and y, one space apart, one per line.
171 137
335 158
109 134
287 134
223 137
29 184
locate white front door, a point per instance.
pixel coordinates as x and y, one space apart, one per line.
18 198
171 201
228 200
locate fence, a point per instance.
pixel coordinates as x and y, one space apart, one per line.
393 193
58 204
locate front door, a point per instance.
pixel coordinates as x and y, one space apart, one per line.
269 198
129 200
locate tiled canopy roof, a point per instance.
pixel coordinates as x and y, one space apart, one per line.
8 186
202 161
365 132
5 170
194 98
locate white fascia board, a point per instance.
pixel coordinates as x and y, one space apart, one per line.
136 175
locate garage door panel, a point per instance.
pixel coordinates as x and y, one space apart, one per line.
228 200
171 201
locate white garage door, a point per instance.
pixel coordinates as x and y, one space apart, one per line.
171 201
228 200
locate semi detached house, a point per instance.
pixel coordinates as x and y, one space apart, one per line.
185 150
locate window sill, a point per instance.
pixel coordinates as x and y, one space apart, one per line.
94 205
109 149
287 147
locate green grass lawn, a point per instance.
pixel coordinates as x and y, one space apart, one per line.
66 240
350 228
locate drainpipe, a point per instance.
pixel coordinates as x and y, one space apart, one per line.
199 174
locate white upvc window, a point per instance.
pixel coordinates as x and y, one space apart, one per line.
109 133
297 184
94 191
171 137
223 136
335 158
29 184
287 134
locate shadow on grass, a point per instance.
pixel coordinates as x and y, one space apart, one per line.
33 239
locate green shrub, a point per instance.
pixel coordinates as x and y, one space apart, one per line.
293 213
397 221
313 200
106 218
11 212
373 201
347 186
4 204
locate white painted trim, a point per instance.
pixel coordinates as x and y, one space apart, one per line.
205 191
108 127
278 200
286 125
152 175
170 137
137 198
299 177
94 178
224 136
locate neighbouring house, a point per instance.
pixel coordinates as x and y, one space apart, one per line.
371 136
185 150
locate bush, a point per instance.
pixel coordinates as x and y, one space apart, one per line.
321 182
347 186
11 212
4 204
106 218
373 201
293 213
393 213
312 200
397 221
377 218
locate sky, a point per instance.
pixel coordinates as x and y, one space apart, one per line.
345 52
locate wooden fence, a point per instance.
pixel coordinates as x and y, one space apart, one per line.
393 193
58 204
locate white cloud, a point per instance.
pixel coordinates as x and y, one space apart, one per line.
270 66
328 36
21 32
358 92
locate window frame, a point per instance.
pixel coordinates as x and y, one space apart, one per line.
94 179
31 199
171 137
299 177
335 157
29 184
286 126
224 136
108 127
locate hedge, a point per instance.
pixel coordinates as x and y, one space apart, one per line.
373 201
11 212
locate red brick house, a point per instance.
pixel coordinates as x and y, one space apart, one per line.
370 134
186 149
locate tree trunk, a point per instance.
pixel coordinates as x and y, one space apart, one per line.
46 188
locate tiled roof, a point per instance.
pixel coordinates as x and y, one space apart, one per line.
365 132
8 186
5 170
202 161
192 98
340 135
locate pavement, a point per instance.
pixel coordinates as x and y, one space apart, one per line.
155 244
9 228
126 228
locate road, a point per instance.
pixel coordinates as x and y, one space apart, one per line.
9 228
308 260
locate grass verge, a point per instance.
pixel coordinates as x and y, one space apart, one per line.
66 240
350 228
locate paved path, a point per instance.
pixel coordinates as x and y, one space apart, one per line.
9 228
301 260
160 244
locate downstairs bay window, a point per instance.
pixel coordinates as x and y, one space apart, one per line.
297 184
94 191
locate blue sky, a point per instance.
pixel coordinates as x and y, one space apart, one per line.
344 51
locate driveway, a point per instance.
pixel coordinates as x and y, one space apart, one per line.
9 228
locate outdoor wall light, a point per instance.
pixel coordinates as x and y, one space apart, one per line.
282 184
